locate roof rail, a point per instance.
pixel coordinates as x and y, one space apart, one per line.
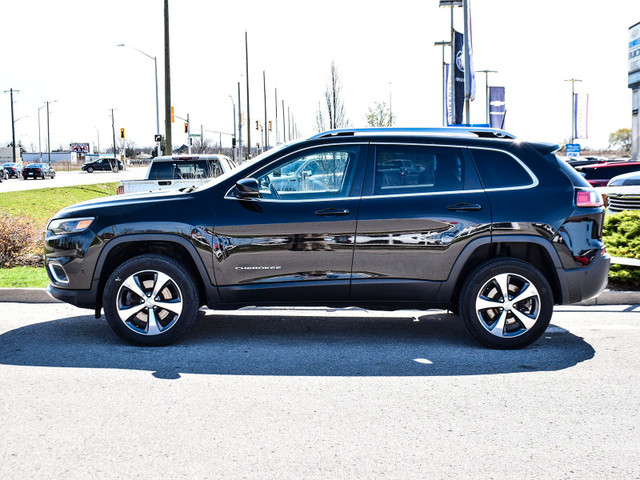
480 132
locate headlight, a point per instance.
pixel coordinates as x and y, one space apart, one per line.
70 225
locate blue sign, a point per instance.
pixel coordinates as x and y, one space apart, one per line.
573 149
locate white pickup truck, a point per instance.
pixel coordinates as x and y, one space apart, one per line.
178 171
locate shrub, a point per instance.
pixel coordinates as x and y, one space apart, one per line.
20 242
622 238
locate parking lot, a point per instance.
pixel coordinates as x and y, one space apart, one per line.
318 393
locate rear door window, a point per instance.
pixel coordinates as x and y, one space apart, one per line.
408 169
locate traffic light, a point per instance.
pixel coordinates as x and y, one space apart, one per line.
173 118
186 127
122 133
257 125
233 142
270 126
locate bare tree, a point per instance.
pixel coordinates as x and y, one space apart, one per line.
380 116
335 111
621 139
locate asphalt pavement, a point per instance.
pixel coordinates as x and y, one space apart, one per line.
318 393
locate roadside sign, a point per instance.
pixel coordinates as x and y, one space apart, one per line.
157 138
573 149
195 134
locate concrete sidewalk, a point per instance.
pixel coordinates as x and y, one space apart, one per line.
40 295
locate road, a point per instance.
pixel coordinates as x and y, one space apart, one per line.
68 179
314 393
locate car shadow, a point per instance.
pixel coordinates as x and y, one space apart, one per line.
222 343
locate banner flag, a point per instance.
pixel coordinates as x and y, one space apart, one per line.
458 77
497 107
581 120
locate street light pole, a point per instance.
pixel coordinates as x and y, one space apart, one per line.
266 124
443 44
39 134
573 106
155 64
246 48
49 130
239 125
235 156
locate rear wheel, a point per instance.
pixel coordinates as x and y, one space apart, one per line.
506 303
150 300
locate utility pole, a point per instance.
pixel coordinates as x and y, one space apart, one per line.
188 134
486 86
234 150
277 131
48 135
13 123
113 130
266 123
246 49
239 127
443 44
573 107
167 84
284 125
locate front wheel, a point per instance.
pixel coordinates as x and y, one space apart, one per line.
150 300
506 303
90 170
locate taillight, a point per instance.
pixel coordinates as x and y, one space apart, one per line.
588 198
120 190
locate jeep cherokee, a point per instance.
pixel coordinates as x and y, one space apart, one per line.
495 229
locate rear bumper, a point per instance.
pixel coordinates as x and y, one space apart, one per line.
79 298
581 284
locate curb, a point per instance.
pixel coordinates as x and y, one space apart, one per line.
40 295
26 295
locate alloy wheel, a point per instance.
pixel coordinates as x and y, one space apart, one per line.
149 302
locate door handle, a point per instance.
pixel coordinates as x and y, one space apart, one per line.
470 207
331 212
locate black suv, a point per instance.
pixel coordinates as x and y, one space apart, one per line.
492 228
103 164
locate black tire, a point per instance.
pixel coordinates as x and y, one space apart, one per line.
502 323
89 169
177 289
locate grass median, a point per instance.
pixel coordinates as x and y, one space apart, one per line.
31 210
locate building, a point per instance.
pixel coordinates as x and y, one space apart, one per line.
634 85
56 157
6 155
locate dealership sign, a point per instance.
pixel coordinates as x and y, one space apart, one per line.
634 55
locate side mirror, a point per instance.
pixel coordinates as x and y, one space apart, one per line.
248 188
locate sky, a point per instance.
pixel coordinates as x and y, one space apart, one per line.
66 51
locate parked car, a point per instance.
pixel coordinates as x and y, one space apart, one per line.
12 169
38 170
494 228
107 164
619 201
178 171
599 175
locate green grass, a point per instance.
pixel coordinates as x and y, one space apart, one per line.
23 277
42 204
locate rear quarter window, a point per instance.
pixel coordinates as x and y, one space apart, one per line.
499 170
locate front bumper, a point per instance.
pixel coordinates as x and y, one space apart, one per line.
79 298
